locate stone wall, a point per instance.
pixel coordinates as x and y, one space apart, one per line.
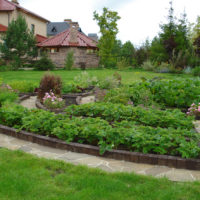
81 55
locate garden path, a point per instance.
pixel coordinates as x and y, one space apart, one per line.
109 165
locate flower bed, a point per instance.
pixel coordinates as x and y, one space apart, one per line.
125 135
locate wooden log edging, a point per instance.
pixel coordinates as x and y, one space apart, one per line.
164 160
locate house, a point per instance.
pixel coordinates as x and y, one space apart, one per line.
10 10
84 48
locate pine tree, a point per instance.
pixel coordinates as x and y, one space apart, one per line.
19 44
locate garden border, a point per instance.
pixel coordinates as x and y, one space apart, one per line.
170 161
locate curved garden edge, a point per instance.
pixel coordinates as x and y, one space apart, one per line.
170 161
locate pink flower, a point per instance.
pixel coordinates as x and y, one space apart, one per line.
198 108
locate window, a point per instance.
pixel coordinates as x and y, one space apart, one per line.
33 28
54 30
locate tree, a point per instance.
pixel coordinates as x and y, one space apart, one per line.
127 52
19 43
108 28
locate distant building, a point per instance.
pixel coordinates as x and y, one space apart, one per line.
84 48
10 10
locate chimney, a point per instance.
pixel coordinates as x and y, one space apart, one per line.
73 34
15 1
68 21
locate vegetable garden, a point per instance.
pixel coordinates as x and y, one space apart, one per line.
148 116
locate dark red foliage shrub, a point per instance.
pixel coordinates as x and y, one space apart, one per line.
50 82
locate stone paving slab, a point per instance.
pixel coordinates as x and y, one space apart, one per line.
109 165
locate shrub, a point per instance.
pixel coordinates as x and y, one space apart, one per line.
163 68
69 61
148 66
23 86
196 71
122 64
109 83
84 80
49 83
44 63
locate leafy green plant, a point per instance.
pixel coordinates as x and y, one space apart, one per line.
69 61
196 71
179 93
23 86
118 112
44 63
148 66
7 96
84 80
96 131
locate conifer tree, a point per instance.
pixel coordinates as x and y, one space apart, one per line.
19 44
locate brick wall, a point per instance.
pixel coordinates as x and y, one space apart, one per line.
81 55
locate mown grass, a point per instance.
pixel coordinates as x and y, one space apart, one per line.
128 76
25 177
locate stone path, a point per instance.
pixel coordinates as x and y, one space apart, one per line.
29 103
108 165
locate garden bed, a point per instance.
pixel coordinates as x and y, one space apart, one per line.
170 161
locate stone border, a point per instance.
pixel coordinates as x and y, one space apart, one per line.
170 161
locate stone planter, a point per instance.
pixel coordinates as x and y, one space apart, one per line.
41 106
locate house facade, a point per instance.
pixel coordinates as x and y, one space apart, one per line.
10 10
72 40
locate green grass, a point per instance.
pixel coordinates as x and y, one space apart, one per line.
128 76
25 177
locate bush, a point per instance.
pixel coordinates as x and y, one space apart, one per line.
84 80
148 66
196 71
109 82
69 61
44 63
122 64
49 83
23 86
163 68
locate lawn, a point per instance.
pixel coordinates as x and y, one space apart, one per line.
128 76
26 177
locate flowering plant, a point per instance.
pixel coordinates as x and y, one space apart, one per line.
194 110
51 101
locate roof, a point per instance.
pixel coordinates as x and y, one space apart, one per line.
3 28
63 40
6 5
40 38
53 28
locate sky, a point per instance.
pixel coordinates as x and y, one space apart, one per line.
139 21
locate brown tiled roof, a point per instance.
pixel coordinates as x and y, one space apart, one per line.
6 5
3 28
63 40
40 38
